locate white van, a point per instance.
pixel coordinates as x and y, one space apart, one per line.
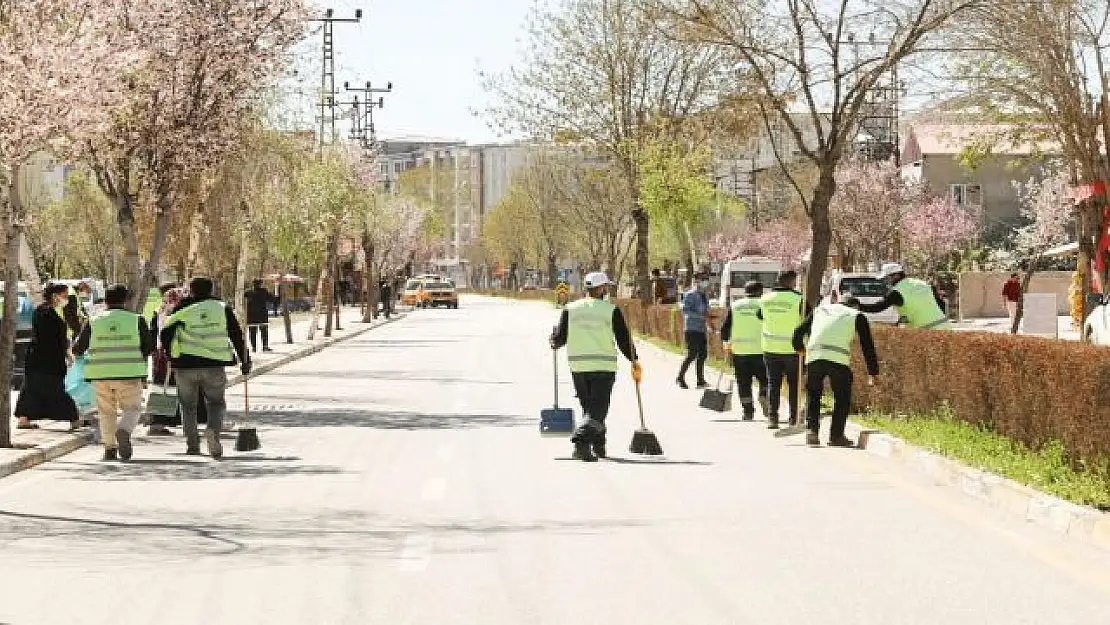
736 273
866 288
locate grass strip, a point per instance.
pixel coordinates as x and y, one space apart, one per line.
1047 470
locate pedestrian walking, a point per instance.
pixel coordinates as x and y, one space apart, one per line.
43 396
781 313
695 323
828 354
117 342
258 316
593 329
658 287
913 298
201 334
385 291
742 336
1011 293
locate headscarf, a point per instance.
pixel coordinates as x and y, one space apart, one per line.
170 300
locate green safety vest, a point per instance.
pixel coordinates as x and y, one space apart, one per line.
590 342
781 317
919 307
153 302
115 347
201 331
830 337
745 337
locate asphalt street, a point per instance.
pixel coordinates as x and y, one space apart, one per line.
402 481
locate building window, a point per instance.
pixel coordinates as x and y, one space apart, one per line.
385 168
966 194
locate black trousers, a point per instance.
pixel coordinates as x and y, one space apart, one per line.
749 368
781 366
840 379
594 390
253 330
697 349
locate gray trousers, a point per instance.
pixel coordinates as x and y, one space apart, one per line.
213 381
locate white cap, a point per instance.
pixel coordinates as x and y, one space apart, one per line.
889 269
596 279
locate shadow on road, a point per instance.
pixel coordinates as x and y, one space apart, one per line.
387 420
400 376
173 470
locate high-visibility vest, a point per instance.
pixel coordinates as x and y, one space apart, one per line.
919 307
590 342
830 337
153 302
201 331
745 337
115 347
781 316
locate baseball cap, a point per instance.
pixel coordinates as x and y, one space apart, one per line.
889 269
596 279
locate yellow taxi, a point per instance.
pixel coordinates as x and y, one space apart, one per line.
413 293
440 293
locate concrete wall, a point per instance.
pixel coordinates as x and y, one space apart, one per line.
981 292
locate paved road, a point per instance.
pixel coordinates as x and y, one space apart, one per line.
403 482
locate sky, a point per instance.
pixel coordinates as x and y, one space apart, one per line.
431 50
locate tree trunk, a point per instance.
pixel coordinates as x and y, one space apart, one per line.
286 292
821 228
552 270
241 266
1020 312
132 269
368 286
11 296
196 233
643 273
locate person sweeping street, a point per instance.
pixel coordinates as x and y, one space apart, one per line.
828 354
593 329
913 298
118 342
781 312
741 335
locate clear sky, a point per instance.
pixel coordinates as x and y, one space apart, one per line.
431 50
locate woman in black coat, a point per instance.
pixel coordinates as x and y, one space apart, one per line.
43 395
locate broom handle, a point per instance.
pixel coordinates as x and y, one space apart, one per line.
640 405
798 395
246 401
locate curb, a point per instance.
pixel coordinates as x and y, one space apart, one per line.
1077 522
55 449
1058 515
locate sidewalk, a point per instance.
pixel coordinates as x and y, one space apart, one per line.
53 440
1002 325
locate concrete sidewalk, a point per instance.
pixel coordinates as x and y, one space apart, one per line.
53 439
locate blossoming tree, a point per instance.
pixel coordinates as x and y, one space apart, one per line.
1047 207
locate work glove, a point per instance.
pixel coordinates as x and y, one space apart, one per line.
637 372
245 368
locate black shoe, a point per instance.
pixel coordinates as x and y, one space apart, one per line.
583 452
267 349
794 421
773 423
702 385
812 439
599 450
109 453
749 416
681 383
192 451
123 440
841 441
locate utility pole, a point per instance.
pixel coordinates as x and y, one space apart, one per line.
366 123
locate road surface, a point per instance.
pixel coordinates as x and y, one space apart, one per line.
402 481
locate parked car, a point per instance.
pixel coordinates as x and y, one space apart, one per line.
440 294
413 295
866 288
1096 329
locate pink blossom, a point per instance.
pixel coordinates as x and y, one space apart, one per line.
936 227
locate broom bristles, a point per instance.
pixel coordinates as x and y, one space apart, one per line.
645 442
247 440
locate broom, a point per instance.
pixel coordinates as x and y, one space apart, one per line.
247 439
644 440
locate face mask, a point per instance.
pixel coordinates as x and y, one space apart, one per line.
705 284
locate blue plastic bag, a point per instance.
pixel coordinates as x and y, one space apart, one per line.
80 390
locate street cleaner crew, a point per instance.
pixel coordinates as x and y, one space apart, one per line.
742 336
593 329
118 342
200 334
914 299
781 312
828 354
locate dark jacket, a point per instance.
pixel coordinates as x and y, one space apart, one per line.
258 306
185 361
146 342
49 343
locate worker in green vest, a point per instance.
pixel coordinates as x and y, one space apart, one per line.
828 354
914 299
742 336
117 342
153 301
593 329
781 313
201 334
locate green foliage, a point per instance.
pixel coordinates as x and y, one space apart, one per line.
74 237
1046 469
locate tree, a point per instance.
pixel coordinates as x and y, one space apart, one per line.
75 236
812 81
675 192
56 58
1047 207
1045 66
201 69
784 240
597 211
601 74
866 212
934 228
